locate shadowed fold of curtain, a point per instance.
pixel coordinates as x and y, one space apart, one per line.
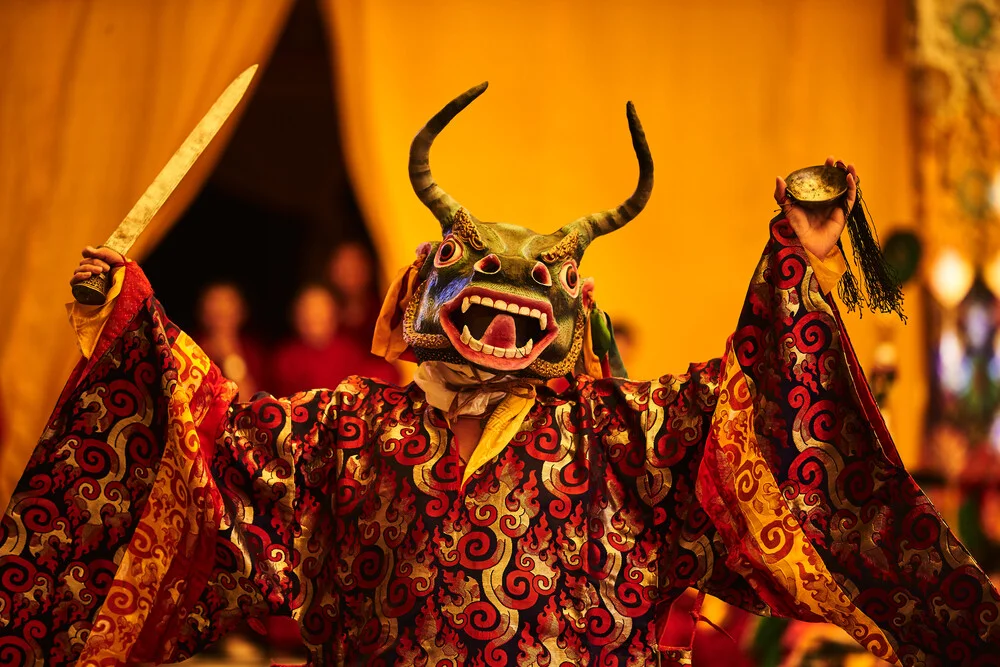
95 96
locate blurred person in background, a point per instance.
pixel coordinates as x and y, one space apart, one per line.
351 273
222 316
321 354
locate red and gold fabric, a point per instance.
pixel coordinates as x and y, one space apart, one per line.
805 486
155 513
108 540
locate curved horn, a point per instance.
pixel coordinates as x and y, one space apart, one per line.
429 192
598 224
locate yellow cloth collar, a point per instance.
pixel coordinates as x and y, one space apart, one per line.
502 426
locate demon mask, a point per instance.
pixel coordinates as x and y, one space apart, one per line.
497 295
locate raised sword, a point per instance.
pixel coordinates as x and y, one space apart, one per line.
93 291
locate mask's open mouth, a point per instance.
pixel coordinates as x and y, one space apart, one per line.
497 329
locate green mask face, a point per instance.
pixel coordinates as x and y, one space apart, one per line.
497 295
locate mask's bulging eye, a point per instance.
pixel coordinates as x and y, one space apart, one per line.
449 252
540 274
570 278
489 264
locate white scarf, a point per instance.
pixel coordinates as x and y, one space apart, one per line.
435 378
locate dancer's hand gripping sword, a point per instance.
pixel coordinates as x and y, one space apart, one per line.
93 291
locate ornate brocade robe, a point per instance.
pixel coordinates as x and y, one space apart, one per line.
155 514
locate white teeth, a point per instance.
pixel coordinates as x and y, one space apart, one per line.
512 352
511 308
496 351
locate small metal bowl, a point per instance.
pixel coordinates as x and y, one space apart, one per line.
817 187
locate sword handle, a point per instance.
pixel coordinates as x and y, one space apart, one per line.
94 290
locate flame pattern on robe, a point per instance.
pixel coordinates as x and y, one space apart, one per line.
155 514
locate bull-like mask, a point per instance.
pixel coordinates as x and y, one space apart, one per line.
497 295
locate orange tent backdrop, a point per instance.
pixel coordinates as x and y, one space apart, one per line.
731 93
94 98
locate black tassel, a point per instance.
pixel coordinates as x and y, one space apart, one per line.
882 291
848 288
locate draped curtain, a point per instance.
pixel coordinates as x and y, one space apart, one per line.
731 93
95 96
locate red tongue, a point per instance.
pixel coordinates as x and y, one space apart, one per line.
501 332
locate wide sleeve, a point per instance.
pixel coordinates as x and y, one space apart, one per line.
808 495
154 513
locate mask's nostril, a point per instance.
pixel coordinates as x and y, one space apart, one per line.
489 264
541 274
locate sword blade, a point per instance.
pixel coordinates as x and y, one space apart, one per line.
179 164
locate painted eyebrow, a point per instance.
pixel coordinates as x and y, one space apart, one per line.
566 247
464 228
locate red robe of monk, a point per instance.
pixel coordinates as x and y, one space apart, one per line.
298 366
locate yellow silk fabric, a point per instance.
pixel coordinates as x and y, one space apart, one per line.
96 96
829 269
145 583
88 322
501 427
731 94
387 340
773 533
